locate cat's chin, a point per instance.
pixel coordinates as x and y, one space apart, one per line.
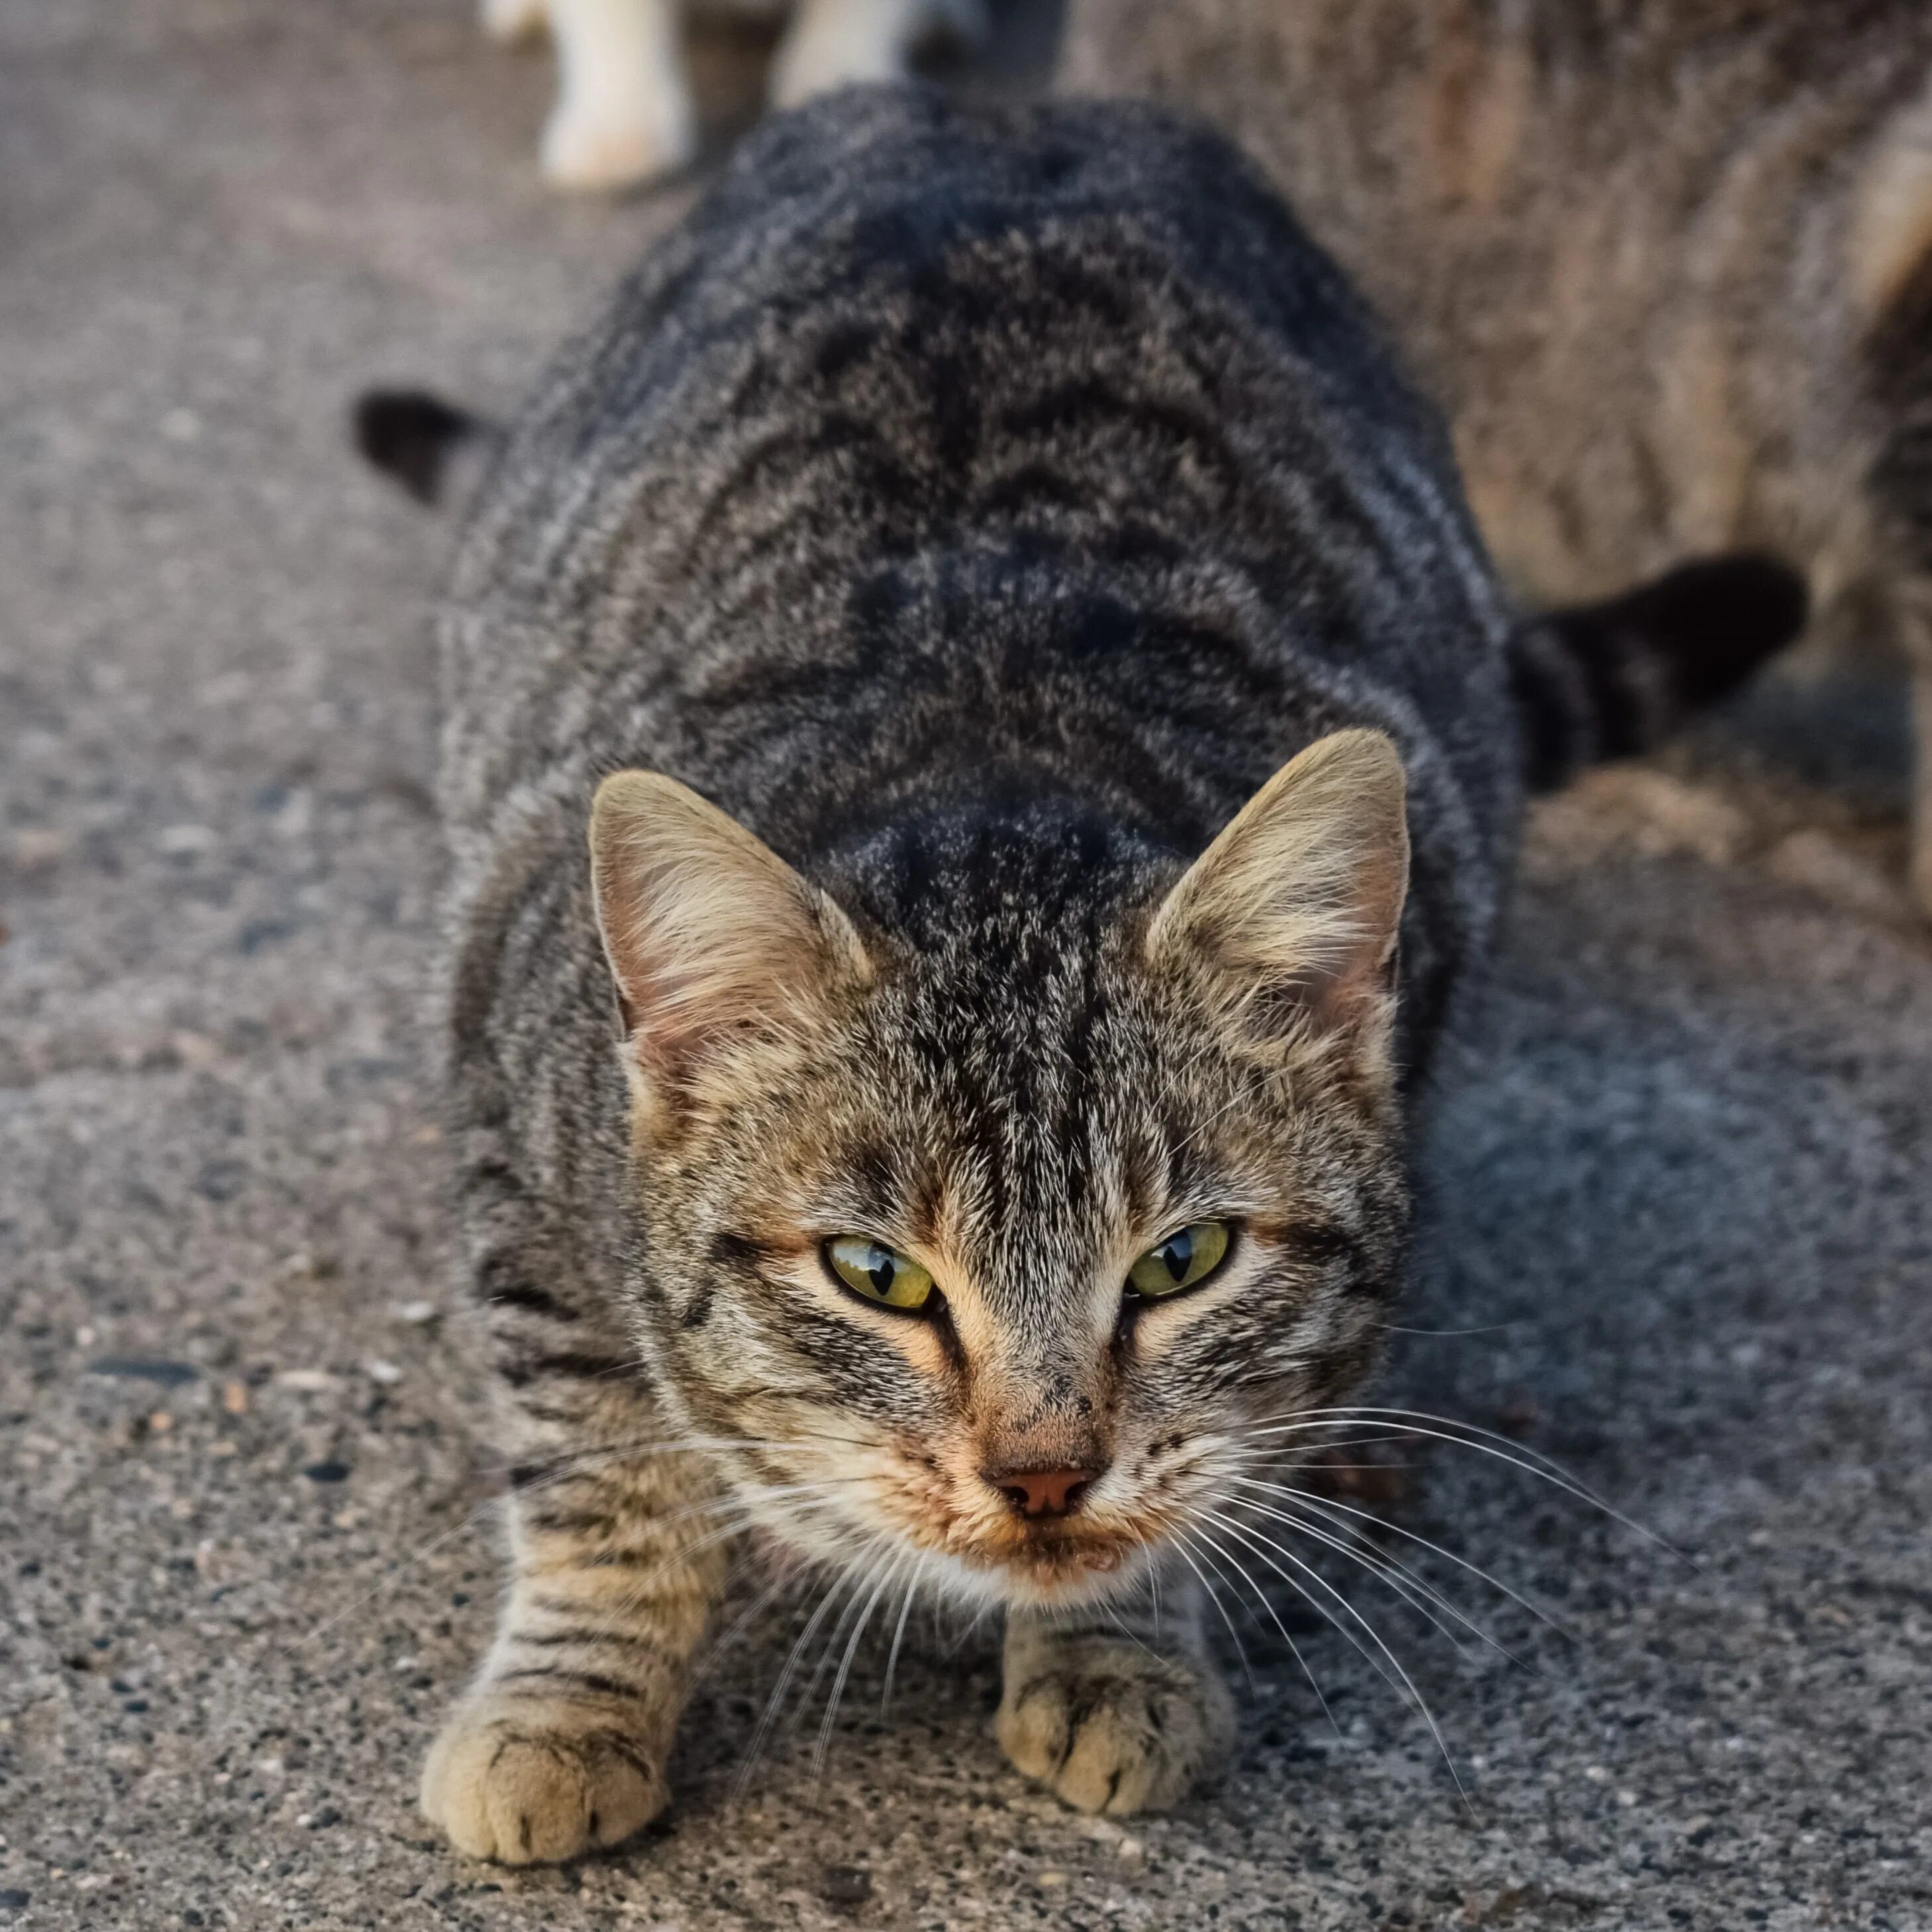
1061 1577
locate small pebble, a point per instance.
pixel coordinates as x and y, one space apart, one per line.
309 1381
327 1472
36 848
844 1884
145 1369
387 1373
160 1422
234 1398
181 838
1049 1881
416 1313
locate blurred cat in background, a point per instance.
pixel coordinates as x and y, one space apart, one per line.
1669 267
624 113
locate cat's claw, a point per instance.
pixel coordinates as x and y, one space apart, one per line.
527 1782
1108 1726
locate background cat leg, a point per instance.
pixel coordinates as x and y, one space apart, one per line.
623 111
510 21
1116 1719
560 1745
832 43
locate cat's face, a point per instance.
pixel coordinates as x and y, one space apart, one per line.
989 1258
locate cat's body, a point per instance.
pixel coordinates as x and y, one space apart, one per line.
978 509
1668 266
624 113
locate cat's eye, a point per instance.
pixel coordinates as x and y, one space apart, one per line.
879 1274
1183 1260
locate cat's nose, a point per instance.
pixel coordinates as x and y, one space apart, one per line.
1043 1492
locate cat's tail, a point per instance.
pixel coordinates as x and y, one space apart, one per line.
420 442
1608 680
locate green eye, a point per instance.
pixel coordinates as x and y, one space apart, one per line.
1182 1261
879 1274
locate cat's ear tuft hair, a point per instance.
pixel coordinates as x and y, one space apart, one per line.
710 935
1291 917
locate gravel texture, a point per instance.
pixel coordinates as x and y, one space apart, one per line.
1682 1229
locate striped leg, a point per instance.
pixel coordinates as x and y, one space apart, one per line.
560 1745
1116 1710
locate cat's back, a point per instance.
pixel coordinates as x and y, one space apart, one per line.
897 328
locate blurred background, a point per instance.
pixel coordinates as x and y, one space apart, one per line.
1681 1224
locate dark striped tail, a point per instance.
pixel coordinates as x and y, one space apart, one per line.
1609 680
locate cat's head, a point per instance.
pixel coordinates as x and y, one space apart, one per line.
983 1242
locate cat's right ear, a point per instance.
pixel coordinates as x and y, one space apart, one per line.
1288 922
711 938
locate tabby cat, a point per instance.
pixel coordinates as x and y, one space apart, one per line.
1019 658
1668 265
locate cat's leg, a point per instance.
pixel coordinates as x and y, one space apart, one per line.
510 21
1119 1711
560 1745
623 112
832 43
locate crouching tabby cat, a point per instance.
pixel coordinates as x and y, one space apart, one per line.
1668 266
624 113
956 689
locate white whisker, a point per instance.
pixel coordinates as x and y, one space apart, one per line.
1255 1540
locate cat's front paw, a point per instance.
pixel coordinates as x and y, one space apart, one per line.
1108 1726
534 1782
615 144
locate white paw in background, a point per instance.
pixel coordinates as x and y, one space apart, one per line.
525 1781
832 45
613 140
511 21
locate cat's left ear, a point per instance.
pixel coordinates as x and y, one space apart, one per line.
711 938
1289 919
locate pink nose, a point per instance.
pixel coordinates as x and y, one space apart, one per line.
1041 1492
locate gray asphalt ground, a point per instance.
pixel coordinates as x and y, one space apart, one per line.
1681 1230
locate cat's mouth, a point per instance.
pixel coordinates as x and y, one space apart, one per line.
1057 1565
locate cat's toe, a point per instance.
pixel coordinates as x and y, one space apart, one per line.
1109 1726
526 1785
606 149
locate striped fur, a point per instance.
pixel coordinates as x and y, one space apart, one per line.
973 511
1666 263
